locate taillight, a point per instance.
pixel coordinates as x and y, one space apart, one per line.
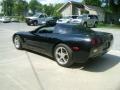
95 41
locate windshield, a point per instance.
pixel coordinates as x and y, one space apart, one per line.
36 15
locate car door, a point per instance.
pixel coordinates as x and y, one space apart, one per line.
41 19
90 20
40 40
34 41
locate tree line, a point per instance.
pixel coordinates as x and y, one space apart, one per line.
22 7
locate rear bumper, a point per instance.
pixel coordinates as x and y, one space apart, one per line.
83 56
101 50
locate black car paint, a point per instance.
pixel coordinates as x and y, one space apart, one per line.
46 42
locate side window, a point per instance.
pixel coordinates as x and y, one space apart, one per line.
96 17
46 30
41 16
90 16
74 17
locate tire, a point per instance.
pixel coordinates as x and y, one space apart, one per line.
68 22
95 25
28 24
17 42
63 55
35 23
85 24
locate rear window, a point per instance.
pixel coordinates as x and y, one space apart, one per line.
93 17
74 17
71 29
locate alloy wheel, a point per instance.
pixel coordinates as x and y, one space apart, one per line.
61 55
17 42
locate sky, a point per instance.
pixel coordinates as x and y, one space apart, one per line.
55 1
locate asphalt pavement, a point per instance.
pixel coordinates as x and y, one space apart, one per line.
25 70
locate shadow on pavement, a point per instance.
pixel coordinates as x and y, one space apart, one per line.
43 55
101 64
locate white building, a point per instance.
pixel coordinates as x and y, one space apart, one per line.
75 8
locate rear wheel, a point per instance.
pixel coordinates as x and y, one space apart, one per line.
85 24
63 55
95 25
17 42
35 23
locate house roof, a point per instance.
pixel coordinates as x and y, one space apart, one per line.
80 5
92 7
76 4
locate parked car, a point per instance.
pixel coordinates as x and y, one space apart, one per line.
67 43
39 18
86 20
52 21
67 19
4 19
14 20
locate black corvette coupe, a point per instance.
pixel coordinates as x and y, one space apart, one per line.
67 43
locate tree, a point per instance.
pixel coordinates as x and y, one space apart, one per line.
92 2
7 7
112 5
51 10
14 7
20 7
48 9
112 8
35 6
57 6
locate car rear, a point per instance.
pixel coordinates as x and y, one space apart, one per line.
29 21
84 42
101 44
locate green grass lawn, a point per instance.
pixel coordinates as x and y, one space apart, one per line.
102 25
